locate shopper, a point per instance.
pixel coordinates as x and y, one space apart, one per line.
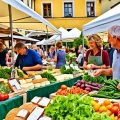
96 57
27 59
51 53
3 53
60 57
114 40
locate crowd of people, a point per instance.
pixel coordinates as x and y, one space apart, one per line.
103 60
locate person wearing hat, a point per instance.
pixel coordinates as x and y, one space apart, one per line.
96 58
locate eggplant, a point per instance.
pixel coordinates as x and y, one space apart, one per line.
82 86
88 89
78 84
95 84
86 85
95 88
82 81
79 81
89 83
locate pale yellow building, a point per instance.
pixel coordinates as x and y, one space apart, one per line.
68 13
108 4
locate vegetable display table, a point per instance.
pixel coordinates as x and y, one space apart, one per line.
47 90
6 106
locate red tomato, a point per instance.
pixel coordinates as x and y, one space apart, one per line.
2 97
118 118
116 104
114 109
6 96
63 87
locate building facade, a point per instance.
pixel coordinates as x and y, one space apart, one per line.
108 4
68 13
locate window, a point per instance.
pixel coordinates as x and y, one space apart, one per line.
90 9
30 3
68 9
47 10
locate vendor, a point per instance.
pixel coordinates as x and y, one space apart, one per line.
27 59
96 58
3 53
114 40
60 57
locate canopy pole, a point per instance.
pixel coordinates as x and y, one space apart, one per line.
11 33
83 45
47 36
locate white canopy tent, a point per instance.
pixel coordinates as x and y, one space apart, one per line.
16 37
74 33
41 42
24 17
54 38
66 36
103 22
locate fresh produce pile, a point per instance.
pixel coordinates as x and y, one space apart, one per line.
89 78
73 107
90 86
69 57
5 73
49 76
64 90
63 70
112 109
109 90
4 88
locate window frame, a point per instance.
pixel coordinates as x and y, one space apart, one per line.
68 8
90 8
47 10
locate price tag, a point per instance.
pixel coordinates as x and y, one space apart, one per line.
22 113
35 99
37 112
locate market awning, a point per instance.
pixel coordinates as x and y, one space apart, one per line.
103 22
24 17
16 37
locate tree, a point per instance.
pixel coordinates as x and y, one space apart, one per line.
79 41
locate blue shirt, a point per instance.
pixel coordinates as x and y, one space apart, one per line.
31 58
61 58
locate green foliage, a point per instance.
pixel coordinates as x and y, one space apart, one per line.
5 73
79 41
69 44
88 78
20 73
73 107
63 70
49 76
4 88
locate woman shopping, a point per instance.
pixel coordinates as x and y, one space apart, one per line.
60 57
